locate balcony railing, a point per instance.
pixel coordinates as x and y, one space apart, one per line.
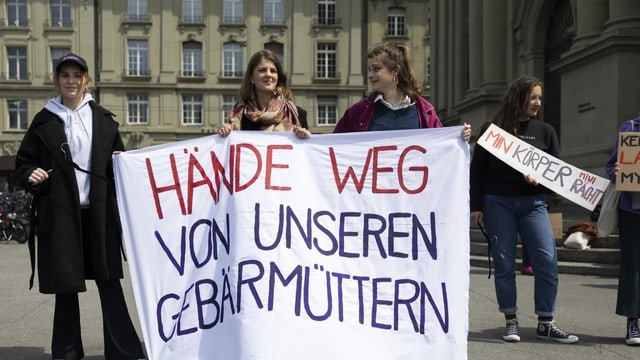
191 75
329 75
5 76
191 19
137 18
21 22
63 24
232 74
232 20
137 74
326 21
396 33
272 20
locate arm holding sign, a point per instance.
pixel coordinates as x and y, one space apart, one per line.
629 238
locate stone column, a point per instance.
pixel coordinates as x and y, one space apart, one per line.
494 35
475 60
591 16
624 17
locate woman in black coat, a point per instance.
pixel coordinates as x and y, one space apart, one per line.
65 161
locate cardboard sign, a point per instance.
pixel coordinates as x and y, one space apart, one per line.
628 178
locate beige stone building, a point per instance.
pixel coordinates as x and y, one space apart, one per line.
170 70
586 52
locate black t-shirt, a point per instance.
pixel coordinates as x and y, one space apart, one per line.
490 175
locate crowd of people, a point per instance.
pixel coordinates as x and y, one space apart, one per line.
65 160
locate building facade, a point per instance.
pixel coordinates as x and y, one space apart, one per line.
170 70
585 52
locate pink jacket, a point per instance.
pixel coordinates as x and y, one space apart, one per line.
358 116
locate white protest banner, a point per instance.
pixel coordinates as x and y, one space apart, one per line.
628 161
568 181
264 246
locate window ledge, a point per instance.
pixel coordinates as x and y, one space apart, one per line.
192 79
396 37
326 80
230 79
141 78
15 81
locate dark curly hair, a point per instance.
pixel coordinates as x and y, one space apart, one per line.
514 103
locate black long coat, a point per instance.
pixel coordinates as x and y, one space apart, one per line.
59 244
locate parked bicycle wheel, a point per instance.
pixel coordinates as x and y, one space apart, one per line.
19 233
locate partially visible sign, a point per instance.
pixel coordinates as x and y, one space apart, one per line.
628 178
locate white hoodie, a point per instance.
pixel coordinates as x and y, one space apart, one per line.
78 126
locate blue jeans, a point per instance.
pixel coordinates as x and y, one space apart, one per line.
504 218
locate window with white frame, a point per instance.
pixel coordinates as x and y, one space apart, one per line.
137 10
232 60
192 11
137 109
138 58
17 114
327 12
17 62
278 49
232 12
327 110
191 109
192 59
61 13
56 53
273 12
17 13
227 104
326 61
396 25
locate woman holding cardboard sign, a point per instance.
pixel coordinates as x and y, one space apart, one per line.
628 303
509 203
